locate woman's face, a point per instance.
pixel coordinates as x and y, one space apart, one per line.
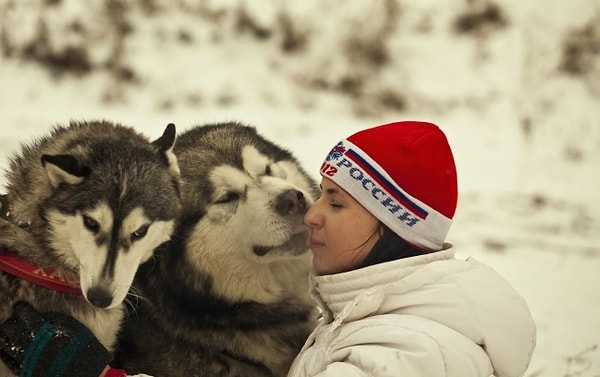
342 230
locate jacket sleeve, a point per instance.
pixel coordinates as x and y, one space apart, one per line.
395 346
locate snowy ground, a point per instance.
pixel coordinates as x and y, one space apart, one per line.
514 84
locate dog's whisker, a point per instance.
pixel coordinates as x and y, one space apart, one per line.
134 299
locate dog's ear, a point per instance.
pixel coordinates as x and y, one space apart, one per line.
165 145
64 168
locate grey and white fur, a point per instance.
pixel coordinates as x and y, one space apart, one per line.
92 200
228 295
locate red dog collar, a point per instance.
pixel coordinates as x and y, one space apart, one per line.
50 278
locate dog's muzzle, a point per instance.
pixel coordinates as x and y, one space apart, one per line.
290 203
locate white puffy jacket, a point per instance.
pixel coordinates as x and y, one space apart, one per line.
432 315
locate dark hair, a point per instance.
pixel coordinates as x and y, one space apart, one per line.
389 247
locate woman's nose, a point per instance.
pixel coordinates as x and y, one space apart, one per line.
311 218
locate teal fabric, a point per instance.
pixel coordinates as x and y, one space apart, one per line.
39 342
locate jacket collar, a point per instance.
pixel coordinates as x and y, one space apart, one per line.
333 292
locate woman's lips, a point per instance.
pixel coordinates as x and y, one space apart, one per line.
313 243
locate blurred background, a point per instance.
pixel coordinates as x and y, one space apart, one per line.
514 84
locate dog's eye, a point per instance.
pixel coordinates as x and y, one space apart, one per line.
273 169
140 232
91 224
228 197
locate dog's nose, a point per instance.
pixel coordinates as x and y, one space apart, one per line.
99 297
290 202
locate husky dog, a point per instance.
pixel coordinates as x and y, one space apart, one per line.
88 204
228 295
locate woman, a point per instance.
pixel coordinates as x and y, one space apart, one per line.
395 301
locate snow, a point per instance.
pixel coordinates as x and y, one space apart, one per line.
525 130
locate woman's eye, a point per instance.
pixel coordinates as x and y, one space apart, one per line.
228 197
91 224
140 232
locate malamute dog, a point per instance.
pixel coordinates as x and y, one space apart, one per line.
84 207
228 296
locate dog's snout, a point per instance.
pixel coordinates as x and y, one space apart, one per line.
99 297
290 202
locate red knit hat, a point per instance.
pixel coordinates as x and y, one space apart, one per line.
404 174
